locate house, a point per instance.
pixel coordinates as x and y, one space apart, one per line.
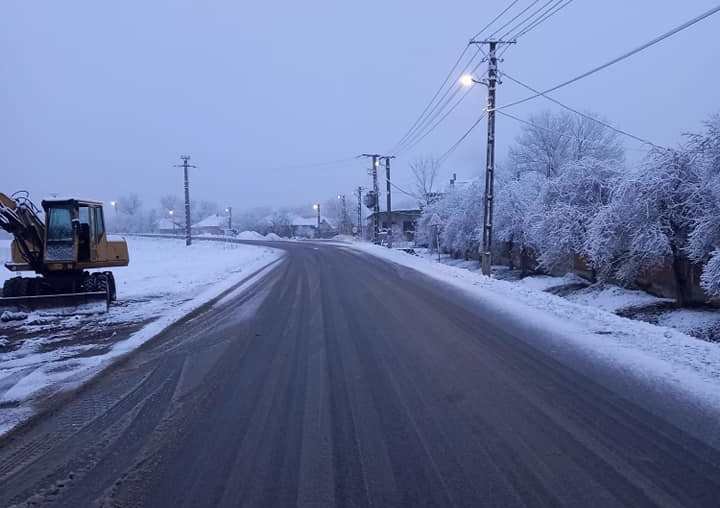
307 227
169 227
212 225
403 224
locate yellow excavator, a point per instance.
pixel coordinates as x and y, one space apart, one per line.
60 249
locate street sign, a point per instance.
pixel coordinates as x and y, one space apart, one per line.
435 220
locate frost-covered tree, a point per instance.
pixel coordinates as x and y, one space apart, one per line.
550 140
462 232
566 206
704 242
647 221
516 206
425 233
171 202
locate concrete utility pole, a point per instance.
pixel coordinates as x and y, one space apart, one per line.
376 191
344 215
185 166
492 82
452 180
389 194
359 213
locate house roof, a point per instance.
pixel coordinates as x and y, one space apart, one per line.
214 221
166 223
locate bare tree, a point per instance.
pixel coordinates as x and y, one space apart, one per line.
171 202
130 204
425 170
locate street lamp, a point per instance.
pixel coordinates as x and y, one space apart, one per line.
171 213
316 207
228 211
467 80
114 205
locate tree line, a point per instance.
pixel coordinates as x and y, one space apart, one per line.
566 192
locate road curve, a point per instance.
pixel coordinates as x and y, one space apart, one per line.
339 379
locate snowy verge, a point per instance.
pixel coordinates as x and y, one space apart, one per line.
164 282
666 358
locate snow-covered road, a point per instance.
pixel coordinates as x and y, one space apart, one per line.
670 362
164 281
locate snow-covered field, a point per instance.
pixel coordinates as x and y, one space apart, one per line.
165 281
664 355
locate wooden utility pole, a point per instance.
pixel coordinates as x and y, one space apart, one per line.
185 166
389 194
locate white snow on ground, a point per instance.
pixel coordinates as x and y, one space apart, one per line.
663 354
165 281
612 298
250 235
273 237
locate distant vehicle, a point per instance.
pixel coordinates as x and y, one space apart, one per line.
71 240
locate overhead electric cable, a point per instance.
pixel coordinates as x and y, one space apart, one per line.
616 60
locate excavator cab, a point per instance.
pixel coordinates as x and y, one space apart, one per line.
75 236
71 240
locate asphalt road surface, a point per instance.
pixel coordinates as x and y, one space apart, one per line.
339 379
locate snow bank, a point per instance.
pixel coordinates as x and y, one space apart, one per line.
663 356
250 235
164 282
273 237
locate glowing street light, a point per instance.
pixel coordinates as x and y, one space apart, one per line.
114 205
316 207
467 80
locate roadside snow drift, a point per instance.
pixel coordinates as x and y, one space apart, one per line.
166 280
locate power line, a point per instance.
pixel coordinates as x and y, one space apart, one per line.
580 113
450 150
495 19
541 127
618 59
513 19
417 140
311 165
542 19
438 108
449 75
432 100
529 18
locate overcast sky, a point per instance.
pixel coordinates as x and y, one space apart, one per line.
99 98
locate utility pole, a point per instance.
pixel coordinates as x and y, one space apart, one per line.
185 166
492 82
316 206
345 221
389 194
452 180
376 192
359 213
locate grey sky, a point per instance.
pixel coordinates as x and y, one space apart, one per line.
99 98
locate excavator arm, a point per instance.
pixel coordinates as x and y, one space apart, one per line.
20 217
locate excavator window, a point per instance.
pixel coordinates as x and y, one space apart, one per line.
84 234
59 234
99 223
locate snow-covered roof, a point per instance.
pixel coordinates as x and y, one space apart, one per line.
214 221
166 223
297 220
